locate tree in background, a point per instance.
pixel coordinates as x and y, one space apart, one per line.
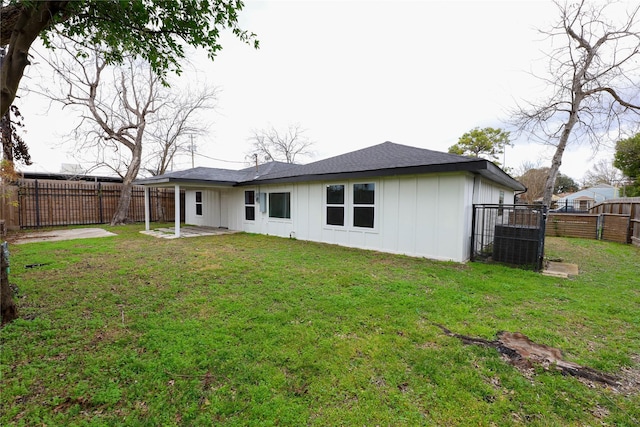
175 125
565 184
627 159
282 146
487 143
156 30
602 172
593 74
534 178
126 112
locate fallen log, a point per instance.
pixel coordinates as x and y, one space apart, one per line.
522 352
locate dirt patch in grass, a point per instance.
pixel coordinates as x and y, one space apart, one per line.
525 355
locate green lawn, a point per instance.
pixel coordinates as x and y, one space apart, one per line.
254 330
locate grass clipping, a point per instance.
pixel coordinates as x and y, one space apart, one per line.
524 354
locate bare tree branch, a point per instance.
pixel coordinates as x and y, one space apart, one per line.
594 75
283 146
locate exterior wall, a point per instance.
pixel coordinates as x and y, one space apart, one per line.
423 215
214 207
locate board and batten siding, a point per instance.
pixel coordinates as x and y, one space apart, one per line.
215 205
422 215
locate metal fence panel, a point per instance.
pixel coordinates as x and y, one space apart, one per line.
509 234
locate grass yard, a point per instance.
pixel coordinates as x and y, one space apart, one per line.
251 330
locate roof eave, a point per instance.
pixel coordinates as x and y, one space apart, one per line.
180 181
481 166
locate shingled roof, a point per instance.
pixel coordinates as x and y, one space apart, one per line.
216 176
384 159
388 159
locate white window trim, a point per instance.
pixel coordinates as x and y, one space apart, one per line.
255 203
276 219
201 202
376 210
345 205
349 205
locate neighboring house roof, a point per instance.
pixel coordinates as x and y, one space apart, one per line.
384 159
597 193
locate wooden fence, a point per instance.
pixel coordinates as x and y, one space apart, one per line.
630 207
616 220
572 225
54 203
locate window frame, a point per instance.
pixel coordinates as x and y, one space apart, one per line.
373 205
287 208
343 205
249 206
199 204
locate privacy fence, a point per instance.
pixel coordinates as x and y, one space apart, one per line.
629 207
616 220
53 203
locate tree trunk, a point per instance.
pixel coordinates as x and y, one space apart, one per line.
562 145
8 308
122 212
31 20
161 214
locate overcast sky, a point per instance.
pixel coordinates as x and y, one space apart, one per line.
356 74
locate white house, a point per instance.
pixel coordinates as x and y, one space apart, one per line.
388 197
589 197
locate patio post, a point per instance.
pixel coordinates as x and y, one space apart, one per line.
146 208
176 196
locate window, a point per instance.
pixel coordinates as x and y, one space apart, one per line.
249 205
363 205
199 203
335 205
500 202
279 205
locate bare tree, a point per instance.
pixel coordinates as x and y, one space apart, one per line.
534 179
116 105
593 73
177 121
272 144
602 172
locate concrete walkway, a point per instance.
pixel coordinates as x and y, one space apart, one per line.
187 231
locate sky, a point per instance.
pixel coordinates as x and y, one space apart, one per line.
355 74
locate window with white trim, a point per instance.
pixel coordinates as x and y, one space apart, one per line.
250 205
280 205
364 205
335 204
199 203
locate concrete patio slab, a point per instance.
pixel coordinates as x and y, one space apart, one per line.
56 235
187 231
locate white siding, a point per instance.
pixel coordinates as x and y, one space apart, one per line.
422 215
214 207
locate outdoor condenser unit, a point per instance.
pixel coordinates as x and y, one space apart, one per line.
516 245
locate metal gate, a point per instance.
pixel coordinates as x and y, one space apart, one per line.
509 234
